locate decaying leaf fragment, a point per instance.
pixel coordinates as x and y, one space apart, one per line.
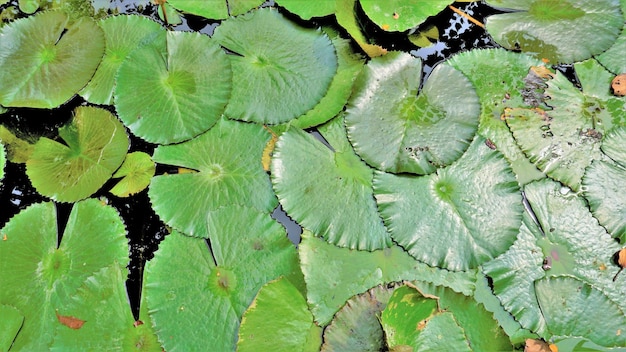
619 85
70 322
537 345
620 259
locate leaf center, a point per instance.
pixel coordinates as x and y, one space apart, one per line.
54 266
418 109
222 281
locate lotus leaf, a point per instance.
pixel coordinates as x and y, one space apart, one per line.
498 76
136 170
458 218
328 191
400 15
46 59
395 128
561 31
346 17
46 274
95 146
227 161
215 9
565 241
123 34
355 272
174 87
308 9
102 303
272 82
279 307
189 284
12 321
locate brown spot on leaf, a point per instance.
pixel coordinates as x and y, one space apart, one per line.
619 85
422 324
70 322
137 323
396 15
490 144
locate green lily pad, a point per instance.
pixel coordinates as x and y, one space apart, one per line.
458 218
122 34
227 159
173 88
562 31
400 15
215 9
12 321
345 13
613 58
328 192
355 272
136 172
272 82
279 306
498 76
395 129
604 183
46 59
308 9
189 285
563 141
102 303
40 275
95 146
356 327
18 150
567 242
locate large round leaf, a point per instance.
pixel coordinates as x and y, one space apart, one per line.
123 34
329 192
400 15
174 87
47 58
458 218
227 161
395 128
95 146
189 285
562 31
272 81
39 276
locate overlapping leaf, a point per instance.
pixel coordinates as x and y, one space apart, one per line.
394 128
46 59
227 159
215 9
272 81
400 15
12 321
329 192
45 274
308 9
136 172
347 18
457 218
561 31
95 146
613 58
174 87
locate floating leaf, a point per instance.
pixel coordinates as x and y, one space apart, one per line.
17 150
173 88
458 218
136 170
187 286
123 34
95 146
400 15
498 76
40 276
613 58
10 325
328 192
215 9
355 272
46 59
395 129
561 31
278 306
272 82
308 9
227 159
346 17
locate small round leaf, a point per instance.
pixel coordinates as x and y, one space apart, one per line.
136 172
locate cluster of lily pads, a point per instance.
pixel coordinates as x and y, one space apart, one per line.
478 208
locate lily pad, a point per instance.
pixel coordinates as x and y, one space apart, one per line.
561 31
136 172
12 321
613 58
174 87
345 13
228 169
41 275
328 191
400 15
46 59
308 9
95 146
215 9
499 78
357 271
18 150
122 34
279 306
272 82
395 128
189 284
460 217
